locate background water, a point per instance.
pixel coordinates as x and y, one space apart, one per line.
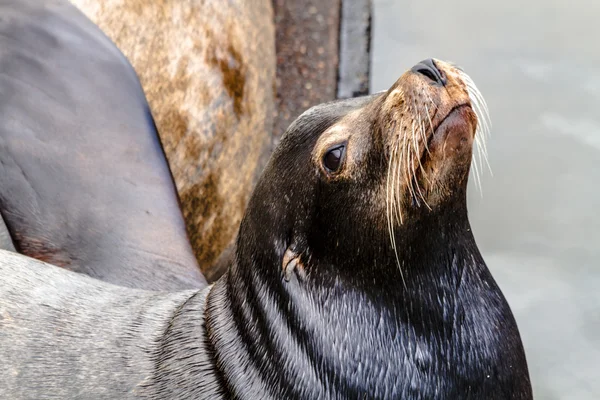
537 63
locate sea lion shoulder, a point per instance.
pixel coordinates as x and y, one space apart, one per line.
85 183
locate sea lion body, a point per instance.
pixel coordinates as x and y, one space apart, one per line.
355 275
84 183
65 335
208 71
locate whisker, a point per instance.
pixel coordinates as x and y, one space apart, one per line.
429 118
483 125
411 163
396 175
389 192
482 133
418 154
431 101
422 127
404 159
477 178
481 144
476 171
395 206
389 208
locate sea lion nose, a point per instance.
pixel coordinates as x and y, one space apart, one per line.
431 71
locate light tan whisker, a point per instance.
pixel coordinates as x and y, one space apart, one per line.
483 125
389 208
404 159
418 154
395 208
410 163
477 175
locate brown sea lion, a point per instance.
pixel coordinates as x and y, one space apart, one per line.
208 71
356 275
84 183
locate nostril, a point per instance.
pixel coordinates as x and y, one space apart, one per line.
427 72
430 70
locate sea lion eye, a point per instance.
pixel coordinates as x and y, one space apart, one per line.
334 158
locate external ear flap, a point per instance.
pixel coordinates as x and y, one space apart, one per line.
291 263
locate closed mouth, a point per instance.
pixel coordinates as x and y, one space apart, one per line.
435 133
454 109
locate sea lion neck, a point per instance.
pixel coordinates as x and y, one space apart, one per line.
258 353
360 250
324 337
274 338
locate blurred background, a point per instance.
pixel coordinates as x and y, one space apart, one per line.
537 223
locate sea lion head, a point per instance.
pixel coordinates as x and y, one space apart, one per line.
352 180
356 273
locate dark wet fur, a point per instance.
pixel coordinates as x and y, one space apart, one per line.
351 329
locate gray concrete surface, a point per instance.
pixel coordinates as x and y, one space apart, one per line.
355 48
537 62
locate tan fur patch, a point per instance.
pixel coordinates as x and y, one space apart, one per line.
208 71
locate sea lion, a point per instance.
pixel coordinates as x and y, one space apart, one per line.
208 71
356 275
84 183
